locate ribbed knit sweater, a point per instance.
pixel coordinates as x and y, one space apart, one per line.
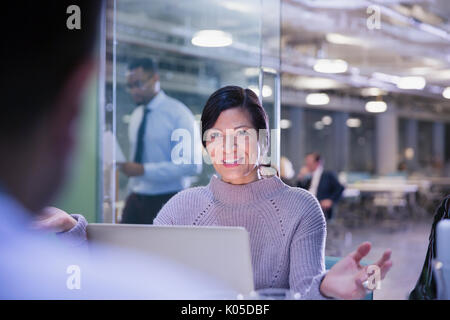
286 225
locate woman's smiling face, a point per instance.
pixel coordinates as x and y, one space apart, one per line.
232 144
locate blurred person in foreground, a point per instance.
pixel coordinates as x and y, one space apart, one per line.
321 183
37 137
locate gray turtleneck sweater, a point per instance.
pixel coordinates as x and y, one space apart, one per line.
286 225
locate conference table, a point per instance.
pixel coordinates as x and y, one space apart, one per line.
391 190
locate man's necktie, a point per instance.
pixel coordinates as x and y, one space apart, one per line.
140 138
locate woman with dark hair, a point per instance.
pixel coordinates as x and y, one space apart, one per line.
286 225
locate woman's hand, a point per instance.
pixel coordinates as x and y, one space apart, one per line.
54 220
345 279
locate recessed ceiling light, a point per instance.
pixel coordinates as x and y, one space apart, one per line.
285 123
376 106
411 83
372 92
446 93
316 99
353 122
212 38
330 66
318 125
337 38
327 120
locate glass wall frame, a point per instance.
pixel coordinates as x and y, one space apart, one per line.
165 31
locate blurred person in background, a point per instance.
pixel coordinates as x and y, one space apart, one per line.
154 176
321 183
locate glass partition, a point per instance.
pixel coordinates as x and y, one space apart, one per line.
197 47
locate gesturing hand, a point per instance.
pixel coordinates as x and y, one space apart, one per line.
345 279
132 169
54 220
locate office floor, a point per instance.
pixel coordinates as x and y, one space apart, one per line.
408 240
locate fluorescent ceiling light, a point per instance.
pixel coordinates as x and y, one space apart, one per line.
376 106
212 38
285 123
353 123
446 93
310 83
316 99
327 120
337 38
372 92
266 91
330 66
269 70
411 83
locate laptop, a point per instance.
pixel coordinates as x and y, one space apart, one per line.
220 252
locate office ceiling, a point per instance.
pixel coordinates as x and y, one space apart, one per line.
413 38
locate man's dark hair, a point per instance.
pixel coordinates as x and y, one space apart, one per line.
39 52
316 156
147 64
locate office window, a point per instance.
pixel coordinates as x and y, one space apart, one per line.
198 47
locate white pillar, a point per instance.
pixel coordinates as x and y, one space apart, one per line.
341 141
295 138
387 142
439 141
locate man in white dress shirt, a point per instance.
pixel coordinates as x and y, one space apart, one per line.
155 176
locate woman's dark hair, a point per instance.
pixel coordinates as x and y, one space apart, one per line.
235 97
